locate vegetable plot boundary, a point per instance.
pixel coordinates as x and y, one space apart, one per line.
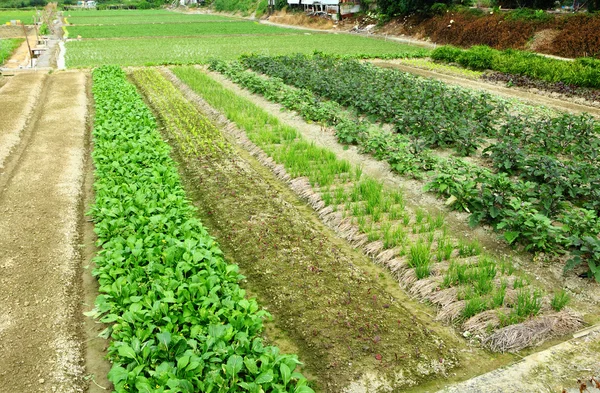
435 276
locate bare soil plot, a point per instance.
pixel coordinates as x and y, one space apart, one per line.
40 195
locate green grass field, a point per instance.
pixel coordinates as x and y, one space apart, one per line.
149 51
130 17
25 17
177 30
124 37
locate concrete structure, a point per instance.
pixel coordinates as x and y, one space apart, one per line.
331 8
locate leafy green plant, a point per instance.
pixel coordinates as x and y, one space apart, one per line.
529 303
479 57
526 224
468 248
446 53
474 306
534 148
587 250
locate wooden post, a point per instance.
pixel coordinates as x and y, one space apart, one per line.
28 46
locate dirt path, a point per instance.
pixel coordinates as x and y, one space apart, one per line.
549 371
531 98
17 100
40 338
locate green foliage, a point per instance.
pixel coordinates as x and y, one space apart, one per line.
134 17
26 17
524 208
529 14
420 258
479 58
529 303
446 53
245 7
44 29
177 317
583 72
525 224
439 8
178 29
391 8
7 47
194 50
587 249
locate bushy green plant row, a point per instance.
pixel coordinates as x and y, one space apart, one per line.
558 153
179 322
512 205
584 72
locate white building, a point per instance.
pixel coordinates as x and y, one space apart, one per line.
329 7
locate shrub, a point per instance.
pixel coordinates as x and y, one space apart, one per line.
438 9
446 53
477 58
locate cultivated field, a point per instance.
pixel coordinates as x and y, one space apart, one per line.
271 219
192 39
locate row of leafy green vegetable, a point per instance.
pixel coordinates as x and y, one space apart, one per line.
584 72
432 115
515 206
179 321
435 115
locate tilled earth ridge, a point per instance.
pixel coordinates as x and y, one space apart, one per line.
39 260
17 100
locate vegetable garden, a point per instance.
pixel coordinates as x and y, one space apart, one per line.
538 170
274 214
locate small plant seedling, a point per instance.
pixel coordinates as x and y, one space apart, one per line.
560 300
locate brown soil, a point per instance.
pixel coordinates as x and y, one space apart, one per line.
315 22
14 31
97 367
40 298
41 332
542 40
17 100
